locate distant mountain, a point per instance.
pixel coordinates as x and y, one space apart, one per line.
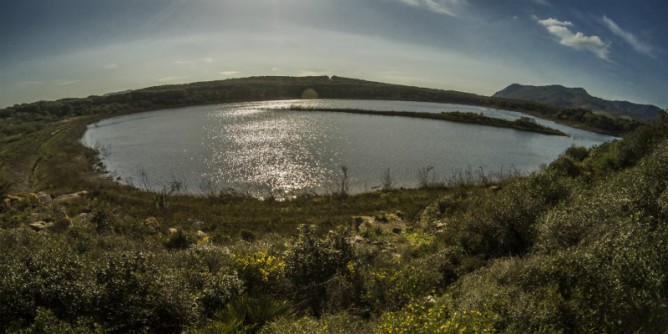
579 98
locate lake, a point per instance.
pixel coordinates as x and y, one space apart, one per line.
266 149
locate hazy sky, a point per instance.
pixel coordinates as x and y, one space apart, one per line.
615 49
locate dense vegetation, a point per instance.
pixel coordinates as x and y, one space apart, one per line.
523 123
581 246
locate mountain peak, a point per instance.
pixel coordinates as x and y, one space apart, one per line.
566 97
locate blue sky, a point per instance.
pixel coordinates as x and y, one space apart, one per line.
74 48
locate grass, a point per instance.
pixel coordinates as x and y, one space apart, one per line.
54 161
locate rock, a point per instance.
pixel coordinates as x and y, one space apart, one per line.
382 218
44 198
439 227
430 300
70 197
83 216
201 235
195 222
20 200
61 220
172 230
40 225
152 224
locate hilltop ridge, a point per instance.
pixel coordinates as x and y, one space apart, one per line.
566 97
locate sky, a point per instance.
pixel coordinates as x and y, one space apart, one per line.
51 49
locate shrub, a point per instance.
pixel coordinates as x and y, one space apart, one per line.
390 287
432 318
340 323
247 235
260 271
47 322
137 295
248 315
218 290
39 272
179 240
311 261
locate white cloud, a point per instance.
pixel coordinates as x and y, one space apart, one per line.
32 83
208 60
110 66
311 73
542 2
167 79
443 7
629 38
66 82
578 40
228 72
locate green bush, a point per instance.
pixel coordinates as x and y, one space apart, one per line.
179 240
340 323
432 317
39 272
391 286
502 223
248 315
262 272
310 261
136 295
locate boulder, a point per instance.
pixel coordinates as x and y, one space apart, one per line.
40 225
70 197
152 224
201 235
61 220
20 200
44 198
196 223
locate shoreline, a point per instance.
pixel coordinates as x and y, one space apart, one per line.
521 124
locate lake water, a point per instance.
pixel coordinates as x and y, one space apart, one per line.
266 149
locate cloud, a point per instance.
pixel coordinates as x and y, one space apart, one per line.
167 79
208 60
443 7
228 72
66 82
542 2
110 66
578 40
32 83
629 38
310 73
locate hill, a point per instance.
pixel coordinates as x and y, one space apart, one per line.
31 115
580 246
579 98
